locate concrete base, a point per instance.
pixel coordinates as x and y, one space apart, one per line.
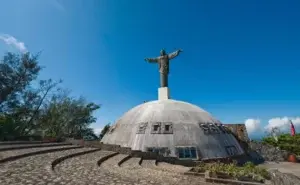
163 93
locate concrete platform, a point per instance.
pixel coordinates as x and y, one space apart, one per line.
284 167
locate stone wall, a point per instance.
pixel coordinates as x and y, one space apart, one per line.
147 155
154 156
239 130
256 152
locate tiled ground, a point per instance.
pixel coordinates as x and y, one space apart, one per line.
83 170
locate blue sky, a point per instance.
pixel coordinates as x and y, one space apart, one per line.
240 59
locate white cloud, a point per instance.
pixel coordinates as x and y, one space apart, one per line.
253 125
98 130
12 41
283 123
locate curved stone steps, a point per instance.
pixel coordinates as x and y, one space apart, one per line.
24 146
11 155
83 169
114 161
61 159
131 163
21 142
87 160
33 169
126 158
148 170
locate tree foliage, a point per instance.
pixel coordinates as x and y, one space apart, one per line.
28 106
104 131
285 142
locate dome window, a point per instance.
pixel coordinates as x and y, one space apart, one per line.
186 152
159 150
156 128
167 128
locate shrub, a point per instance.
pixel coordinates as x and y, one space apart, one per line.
248 170
285 142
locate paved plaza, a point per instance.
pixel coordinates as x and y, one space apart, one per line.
83 169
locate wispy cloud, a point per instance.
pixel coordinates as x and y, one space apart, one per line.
12 41
58 5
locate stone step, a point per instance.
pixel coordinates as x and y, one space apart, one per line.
11 155
23 146
131 163
36 169
78 162
22 142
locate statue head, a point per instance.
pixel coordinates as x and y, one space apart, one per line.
162 52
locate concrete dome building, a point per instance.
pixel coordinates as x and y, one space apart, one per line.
173 128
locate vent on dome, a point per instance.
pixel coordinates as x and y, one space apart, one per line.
221 128
214 129
142 128
209 128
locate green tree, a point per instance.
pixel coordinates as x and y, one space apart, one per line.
66 116
26 109
16 73
104 131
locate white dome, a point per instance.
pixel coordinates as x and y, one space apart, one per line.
167 111
172 124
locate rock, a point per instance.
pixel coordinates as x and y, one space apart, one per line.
279 178
259 152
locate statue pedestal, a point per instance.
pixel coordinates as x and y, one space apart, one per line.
163 93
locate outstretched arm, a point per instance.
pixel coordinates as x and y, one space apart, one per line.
152 60
174 54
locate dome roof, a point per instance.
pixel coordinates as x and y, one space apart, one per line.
170 124
167 111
